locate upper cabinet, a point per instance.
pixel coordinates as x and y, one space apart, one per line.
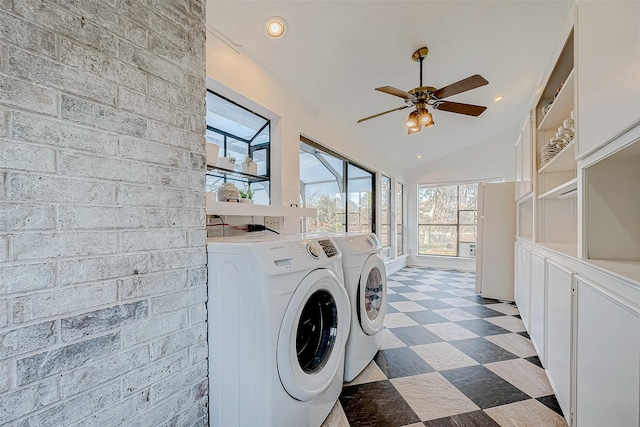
608 71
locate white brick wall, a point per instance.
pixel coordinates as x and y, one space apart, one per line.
102 237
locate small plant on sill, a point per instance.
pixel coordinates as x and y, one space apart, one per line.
249 166
246 194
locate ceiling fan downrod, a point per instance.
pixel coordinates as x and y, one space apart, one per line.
419 56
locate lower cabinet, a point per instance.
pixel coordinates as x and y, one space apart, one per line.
558 360
523 281
607 335
585 325
537 306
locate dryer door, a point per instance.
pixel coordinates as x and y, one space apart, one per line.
313 335
372 295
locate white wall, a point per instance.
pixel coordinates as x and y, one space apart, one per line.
491 159
241 79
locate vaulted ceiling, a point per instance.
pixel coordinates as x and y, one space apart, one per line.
336 52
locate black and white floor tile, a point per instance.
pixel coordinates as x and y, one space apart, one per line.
448 358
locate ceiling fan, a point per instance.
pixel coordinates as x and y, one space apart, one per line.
423 96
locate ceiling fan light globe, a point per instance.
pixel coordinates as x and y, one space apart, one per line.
430 124
425 117
412 121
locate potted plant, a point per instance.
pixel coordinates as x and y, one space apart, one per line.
249 166
246 196
227 162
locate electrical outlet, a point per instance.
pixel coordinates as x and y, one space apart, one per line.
273 222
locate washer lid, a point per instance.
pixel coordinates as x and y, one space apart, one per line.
372 295
313 335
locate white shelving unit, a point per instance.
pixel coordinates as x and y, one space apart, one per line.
555 183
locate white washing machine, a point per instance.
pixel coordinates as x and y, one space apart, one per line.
278 319
365 278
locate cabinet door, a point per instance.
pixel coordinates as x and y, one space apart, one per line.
559 296
607 355
523 279
537 304
608 60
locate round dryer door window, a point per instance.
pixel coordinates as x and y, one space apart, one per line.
317 330
313 334
372 295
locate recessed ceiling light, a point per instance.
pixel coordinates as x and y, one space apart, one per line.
498 98
275 27
419 156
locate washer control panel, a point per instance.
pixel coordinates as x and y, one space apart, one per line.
328 247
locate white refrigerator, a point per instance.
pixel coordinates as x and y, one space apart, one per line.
495 241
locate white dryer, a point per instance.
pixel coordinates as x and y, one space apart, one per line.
278 319
366 280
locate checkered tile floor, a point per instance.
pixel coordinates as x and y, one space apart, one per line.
449 358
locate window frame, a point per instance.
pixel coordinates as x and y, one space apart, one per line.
235 176
345 181
400 236
389 199
457 224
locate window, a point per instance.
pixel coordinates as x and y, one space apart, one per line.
340 190
447 219
385 211
239 133
399 218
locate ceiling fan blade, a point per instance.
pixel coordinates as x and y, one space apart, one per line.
462 86
456 107
393 91
380 114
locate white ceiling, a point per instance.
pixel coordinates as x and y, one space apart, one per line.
337 52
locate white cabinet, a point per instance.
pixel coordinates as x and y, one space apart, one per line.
523 280
538 296
608 349
585 325
607 63
559 291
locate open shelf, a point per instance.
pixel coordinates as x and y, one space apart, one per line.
563 161
561 107
561 191
234 175
246 209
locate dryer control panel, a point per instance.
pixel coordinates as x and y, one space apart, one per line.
328 247
313 250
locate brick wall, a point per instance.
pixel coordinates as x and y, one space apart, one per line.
102 244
